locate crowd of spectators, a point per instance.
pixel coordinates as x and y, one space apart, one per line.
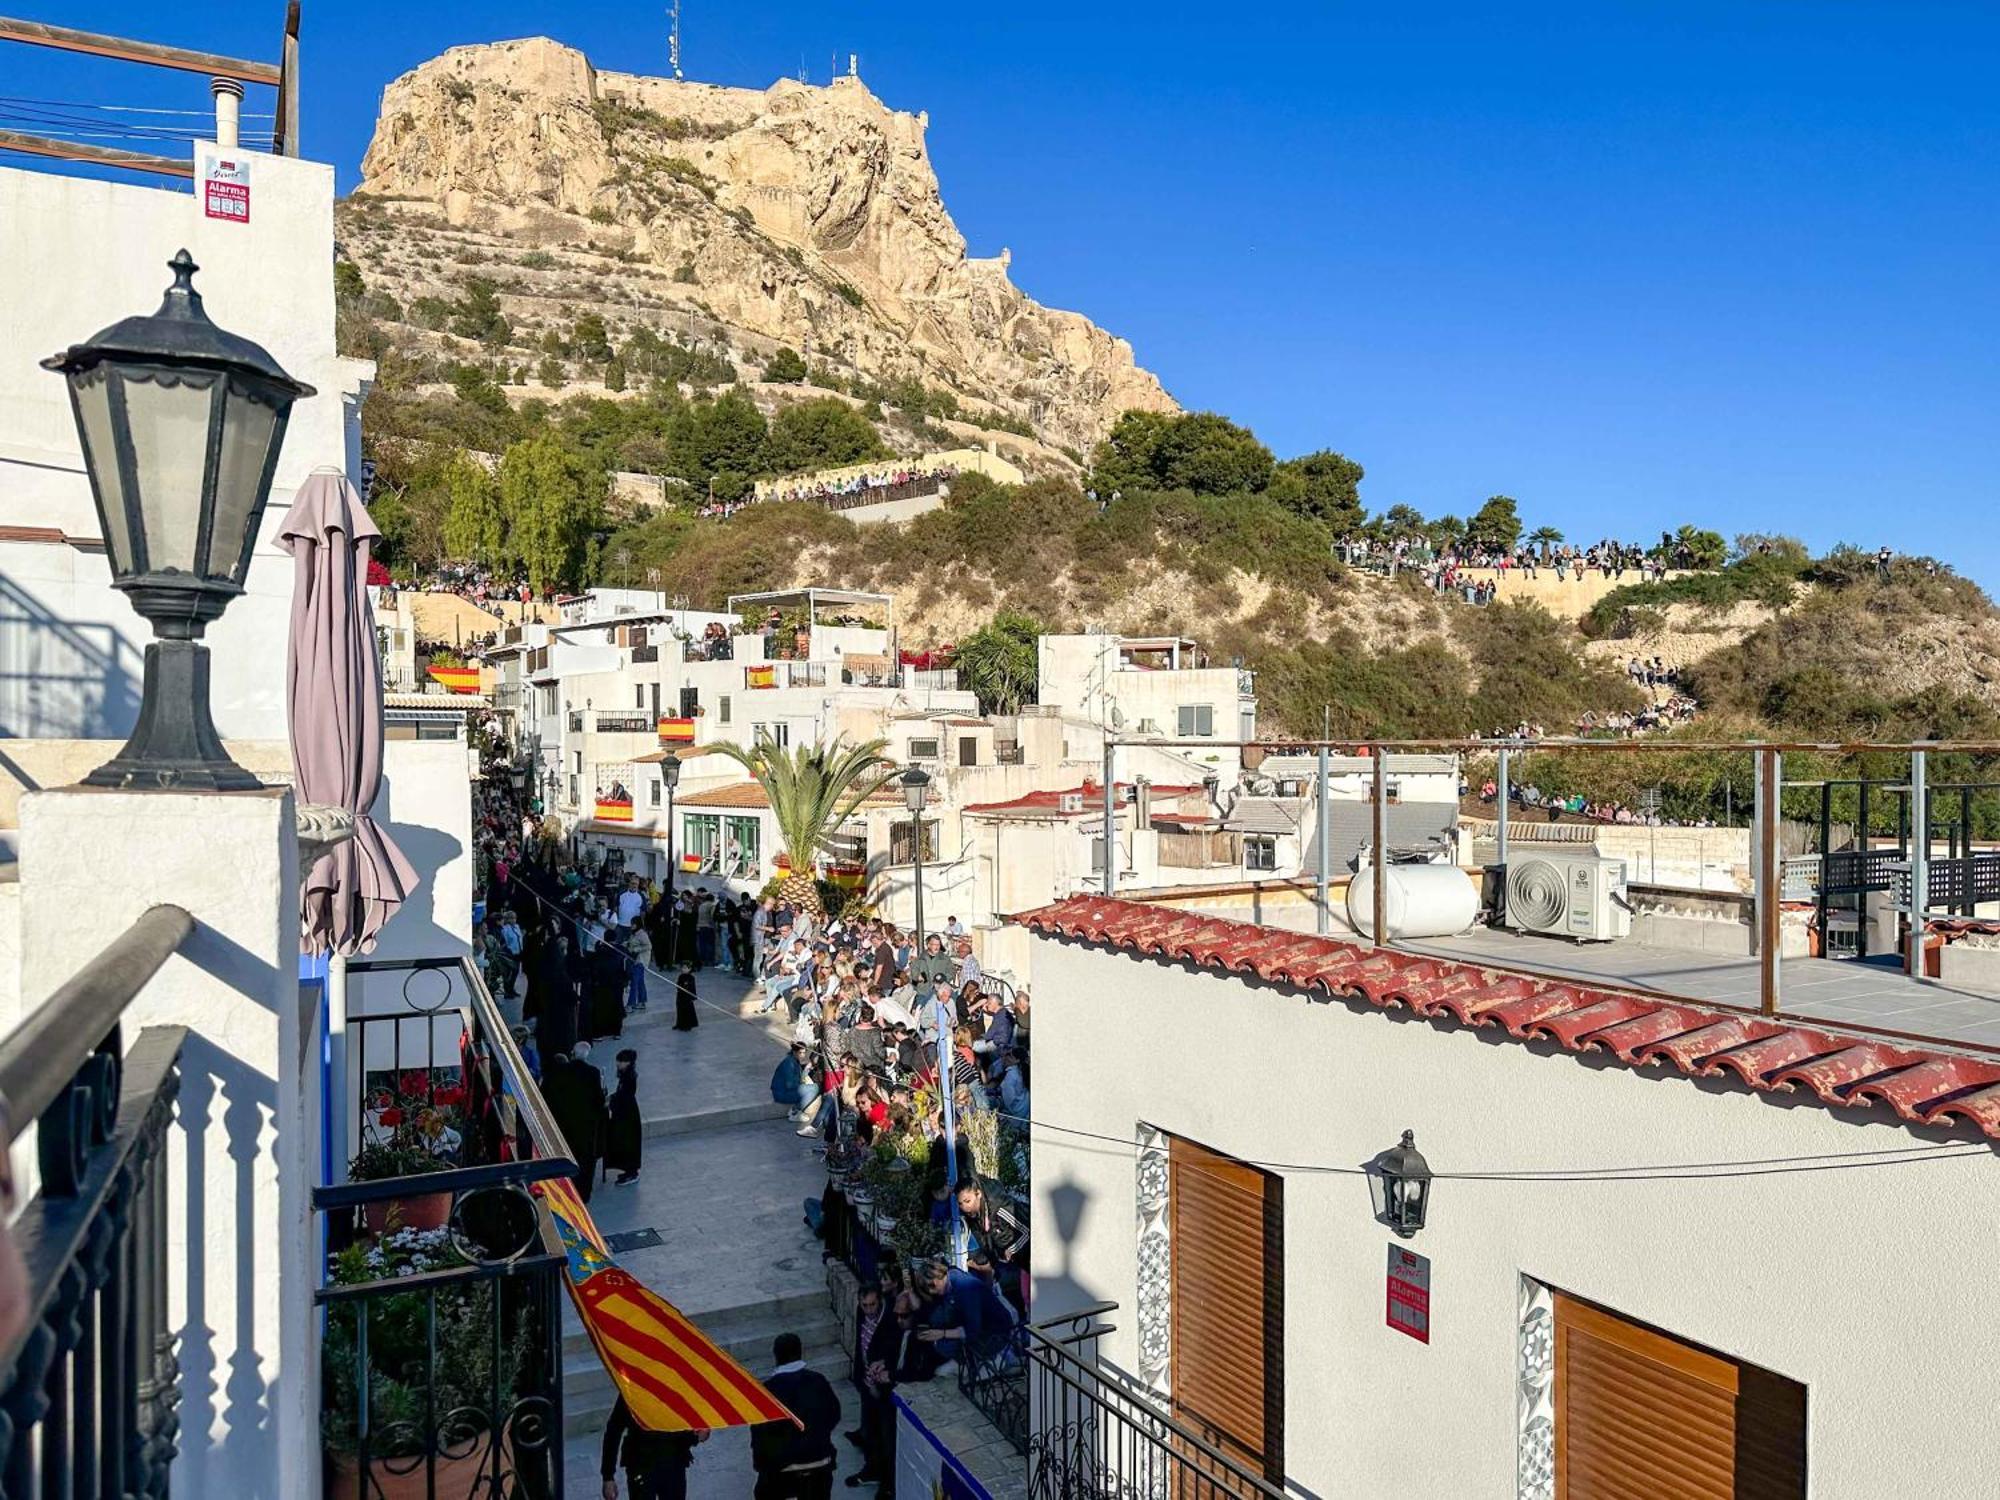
1444 567
877 487
1529 798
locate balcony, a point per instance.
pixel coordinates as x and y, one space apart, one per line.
644 654
1095 1431
630 723
441 1342
91 1385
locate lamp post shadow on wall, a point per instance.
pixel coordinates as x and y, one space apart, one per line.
181 423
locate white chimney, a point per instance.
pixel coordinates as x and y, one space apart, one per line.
228 105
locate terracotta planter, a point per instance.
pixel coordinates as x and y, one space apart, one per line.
457 1478
418 1211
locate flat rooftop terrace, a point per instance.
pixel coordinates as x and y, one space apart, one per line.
1832 992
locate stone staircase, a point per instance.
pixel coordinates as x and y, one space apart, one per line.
744 1333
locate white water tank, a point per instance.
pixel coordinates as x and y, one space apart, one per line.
1420 901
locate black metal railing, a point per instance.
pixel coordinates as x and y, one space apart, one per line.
90 1386
441 1343
1097 1434
996 1381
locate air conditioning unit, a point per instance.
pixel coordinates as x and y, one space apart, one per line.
1069 802
1579 896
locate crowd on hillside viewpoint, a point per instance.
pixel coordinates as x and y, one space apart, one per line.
875 488
879 1031
1527 797
1446 568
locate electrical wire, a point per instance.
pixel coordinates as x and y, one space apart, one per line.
1768 1166
124 109
1691 1171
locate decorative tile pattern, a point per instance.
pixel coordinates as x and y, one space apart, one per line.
1156 1266
1535 1397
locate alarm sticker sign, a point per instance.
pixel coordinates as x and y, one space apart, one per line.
1410 1293
225 188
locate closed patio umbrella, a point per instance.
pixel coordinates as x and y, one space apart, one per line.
333 688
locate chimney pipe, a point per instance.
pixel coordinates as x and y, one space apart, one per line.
228 104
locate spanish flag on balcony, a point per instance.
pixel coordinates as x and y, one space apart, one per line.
691 864
672 1375
676 731
764 676
614 812
847 874
456 679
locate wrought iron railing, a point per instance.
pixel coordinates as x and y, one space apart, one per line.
90 1387
441 1342
1097 1434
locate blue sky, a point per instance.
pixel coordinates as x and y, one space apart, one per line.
1634 264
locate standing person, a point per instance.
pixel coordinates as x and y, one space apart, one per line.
877 1343
623 1128
796 1463
574 1091
685 950
656 1463
685 1016
638 955
552 992
608 981
704 929
631 901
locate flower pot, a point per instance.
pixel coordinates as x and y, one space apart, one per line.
417 1211
408 1478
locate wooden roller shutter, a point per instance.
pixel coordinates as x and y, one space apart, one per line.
1228 1363
1641 1415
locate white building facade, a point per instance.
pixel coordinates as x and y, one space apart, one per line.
1811 1287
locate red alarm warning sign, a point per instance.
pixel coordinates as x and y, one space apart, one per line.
1410 1293
225 189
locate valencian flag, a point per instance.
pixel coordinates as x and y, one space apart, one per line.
672 1376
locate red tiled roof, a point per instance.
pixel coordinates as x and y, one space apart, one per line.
1930 1086
1051 802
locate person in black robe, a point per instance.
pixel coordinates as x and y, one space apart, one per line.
554 996
574 1091
609 978
685 1016
686 922
623 1128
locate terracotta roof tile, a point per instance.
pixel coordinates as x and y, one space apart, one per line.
1927 1085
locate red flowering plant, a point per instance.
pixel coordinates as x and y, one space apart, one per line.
410 1127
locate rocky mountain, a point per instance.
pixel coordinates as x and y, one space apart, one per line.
794 216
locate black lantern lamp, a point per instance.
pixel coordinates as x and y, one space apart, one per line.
1400 1182
181 423
670 773
916 784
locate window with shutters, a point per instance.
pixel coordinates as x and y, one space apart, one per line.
1228 1314
1641 1414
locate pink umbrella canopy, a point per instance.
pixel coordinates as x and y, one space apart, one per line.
333 688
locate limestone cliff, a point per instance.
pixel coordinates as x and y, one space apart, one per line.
796 215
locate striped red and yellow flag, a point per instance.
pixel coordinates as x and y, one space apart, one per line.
671 1374
676 731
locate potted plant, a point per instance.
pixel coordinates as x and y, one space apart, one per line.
408 1135
439 1384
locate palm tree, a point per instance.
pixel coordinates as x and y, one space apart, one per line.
1545 537
812 791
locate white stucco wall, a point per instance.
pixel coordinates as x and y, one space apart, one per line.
426 806
1873 1287
94 252
240 1244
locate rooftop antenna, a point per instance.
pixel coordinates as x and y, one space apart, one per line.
674 38
854 65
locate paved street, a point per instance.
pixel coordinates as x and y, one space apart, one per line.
723 1184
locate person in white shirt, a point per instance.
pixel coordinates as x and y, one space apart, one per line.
954 929
631 903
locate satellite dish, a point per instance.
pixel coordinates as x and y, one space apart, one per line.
1117 717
